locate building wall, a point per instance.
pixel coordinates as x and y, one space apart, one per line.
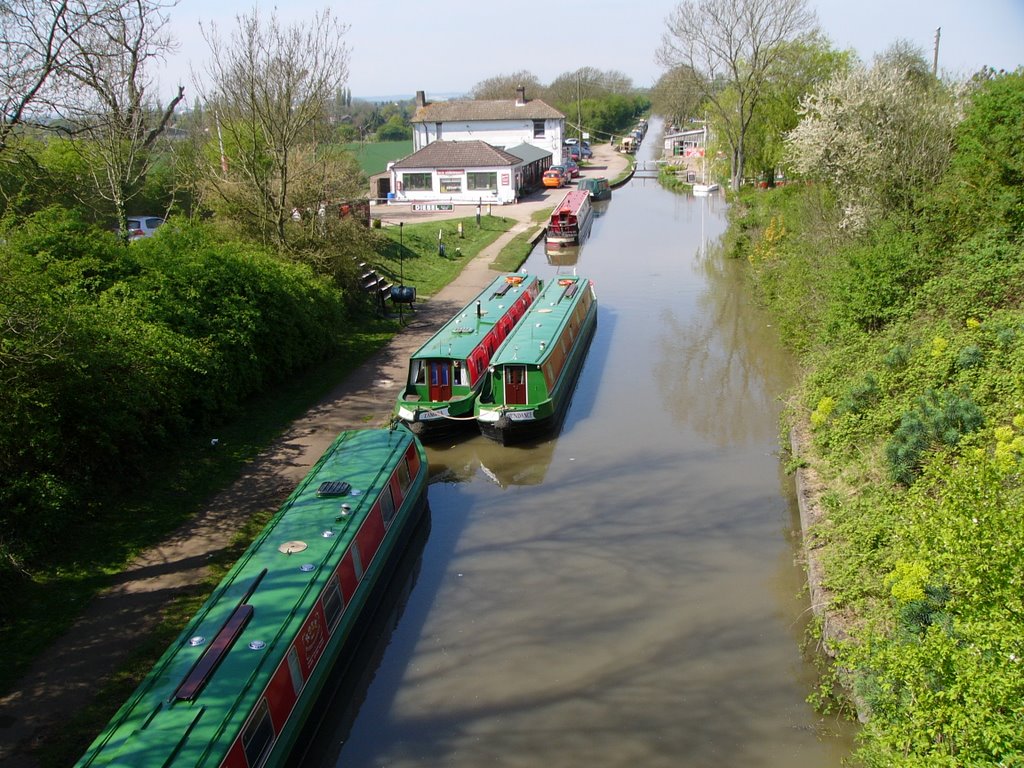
497 133
450 185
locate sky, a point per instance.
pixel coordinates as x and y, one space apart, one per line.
445 47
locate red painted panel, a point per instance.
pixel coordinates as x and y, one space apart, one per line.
347 577
280 695
312 640
370 535
236 756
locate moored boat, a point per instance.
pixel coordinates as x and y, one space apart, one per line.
239 682
446 373
597 186
570 221
533 375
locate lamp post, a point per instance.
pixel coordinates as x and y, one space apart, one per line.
401 268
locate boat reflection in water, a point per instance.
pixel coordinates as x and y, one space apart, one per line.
331 720
600 207
505 466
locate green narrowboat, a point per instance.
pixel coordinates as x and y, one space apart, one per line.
236 687
533 375
597 186
447 372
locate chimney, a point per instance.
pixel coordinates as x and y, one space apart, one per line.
421 99
520 95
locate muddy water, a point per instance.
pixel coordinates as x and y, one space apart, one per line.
625 593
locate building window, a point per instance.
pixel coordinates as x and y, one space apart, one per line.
451 184
417 182
538 129
482 181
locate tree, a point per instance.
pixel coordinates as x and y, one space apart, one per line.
678 96
804 65
270 88
43 41
733 43
503 87
877 136
113 121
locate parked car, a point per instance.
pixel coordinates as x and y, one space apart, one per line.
575 152
565 169
143 226
554 177
572 168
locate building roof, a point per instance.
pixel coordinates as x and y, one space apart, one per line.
475 109
458 154
528 152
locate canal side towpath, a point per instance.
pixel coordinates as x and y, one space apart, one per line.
66 677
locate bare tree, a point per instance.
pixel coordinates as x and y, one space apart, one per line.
733 46
104 97
270 88
37 45
678 95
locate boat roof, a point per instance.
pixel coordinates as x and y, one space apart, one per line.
531 340
265 598
573 201
463 332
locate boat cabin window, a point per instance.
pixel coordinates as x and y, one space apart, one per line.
387 505
258 736
296 671
404 478
333 604
457 373
357 560
419 373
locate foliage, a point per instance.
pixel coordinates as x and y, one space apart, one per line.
272 86
109 353
877 136
734 47
909 335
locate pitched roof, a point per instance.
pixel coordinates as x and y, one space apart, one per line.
528 152
475 109
458 154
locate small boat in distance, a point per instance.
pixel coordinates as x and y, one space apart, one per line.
236 687
597 186
533 375
446 373
570 221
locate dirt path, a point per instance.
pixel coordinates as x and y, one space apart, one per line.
65 678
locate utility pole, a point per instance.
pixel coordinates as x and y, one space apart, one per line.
579 108
935 60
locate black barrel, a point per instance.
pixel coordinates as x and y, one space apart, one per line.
403 294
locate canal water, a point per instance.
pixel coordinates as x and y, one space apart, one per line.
627 592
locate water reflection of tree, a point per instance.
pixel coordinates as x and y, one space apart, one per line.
721 368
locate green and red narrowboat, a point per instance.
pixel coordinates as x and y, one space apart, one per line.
446 373
236 687
533 375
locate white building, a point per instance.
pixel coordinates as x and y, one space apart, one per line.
460 172
502 124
